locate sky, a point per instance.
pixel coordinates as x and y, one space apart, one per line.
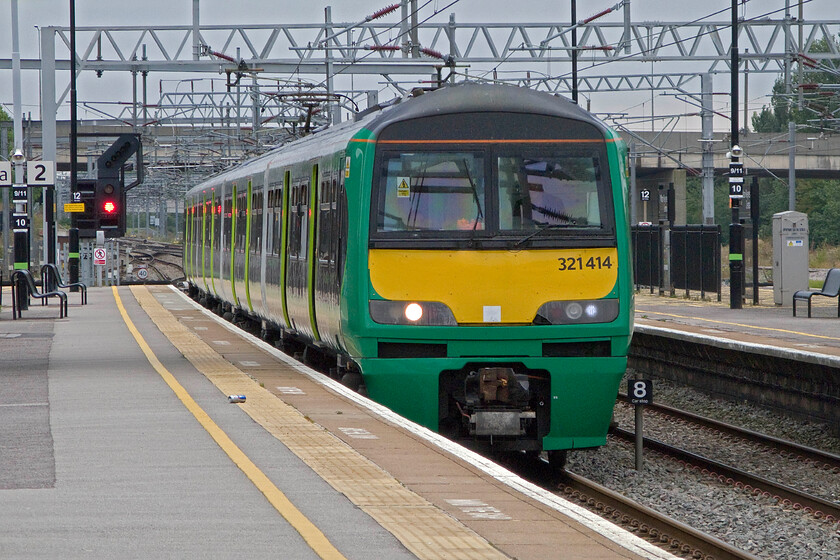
35 14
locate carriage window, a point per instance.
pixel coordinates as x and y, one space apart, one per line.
559 191
431 191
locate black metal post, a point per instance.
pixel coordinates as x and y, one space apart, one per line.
73 260
736 253
74 270
49 218
755 216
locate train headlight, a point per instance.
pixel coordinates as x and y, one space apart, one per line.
413 312
577 312
574 311
426 313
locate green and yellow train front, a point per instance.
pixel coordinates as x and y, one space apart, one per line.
493 298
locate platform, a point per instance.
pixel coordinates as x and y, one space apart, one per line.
765 327
117 440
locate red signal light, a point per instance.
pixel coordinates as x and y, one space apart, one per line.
109 207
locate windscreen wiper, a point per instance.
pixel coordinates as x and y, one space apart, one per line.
480 214
541 229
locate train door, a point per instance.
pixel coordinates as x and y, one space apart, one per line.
205 226
274 242
213 248
300 275
253 221
296 255
224 240
264 192
326 259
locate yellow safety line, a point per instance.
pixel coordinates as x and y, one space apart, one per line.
737 324
310 533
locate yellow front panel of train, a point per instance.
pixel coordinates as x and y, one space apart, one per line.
515 284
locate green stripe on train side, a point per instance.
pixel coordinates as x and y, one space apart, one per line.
204 241
187 270
311 253
284 221
186 256
249 210
213 241
233 243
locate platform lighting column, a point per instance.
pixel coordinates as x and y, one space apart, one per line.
22 209
736 253
74 260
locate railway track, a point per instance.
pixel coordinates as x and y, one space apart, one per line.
162 260
674 535
666 532
787 496
818 457
663 531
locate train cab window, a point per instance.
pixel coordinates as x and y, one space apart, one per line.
431 191
549 191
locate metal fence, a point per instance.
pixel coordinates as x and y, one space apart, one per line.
647 256
693 257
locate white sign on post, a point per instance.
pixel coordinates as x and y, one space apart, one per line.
5 173
40 173
99 256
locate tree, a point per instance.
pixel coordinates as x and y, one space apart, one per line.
820 199
4 116
820 103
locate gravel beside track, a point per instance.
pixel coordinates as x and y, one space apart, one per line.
756 524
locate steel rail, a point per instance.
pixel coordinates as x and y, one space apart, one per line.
658 527
787 495
783 446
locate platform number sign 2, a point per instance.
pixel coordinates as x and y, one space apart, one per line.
40 173
640 391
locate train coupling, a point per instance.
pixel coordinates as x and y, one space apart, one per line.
497 402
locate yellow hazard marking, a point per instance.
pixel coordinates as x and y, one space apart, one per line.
425 530
403 188
741 325
310 533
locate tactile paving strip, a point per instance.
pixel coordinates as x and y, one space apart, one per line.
424 529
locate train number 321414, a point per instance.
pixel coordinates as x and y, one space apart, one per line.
577 263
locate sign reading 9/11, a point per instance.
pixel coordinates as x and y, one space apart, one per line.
736 179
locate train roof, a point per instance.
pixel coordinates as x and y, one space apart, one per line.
449 100
474 97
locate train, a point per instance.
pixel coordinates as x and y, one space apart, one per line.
460 254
